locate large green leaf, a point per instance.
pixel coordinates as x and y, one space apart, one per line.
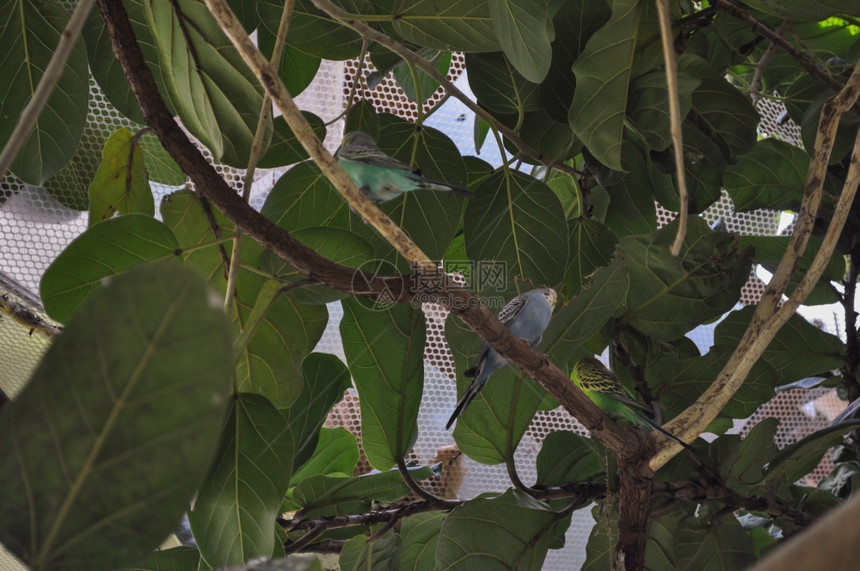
518 220
567 457
328 495
105 447
234 514
285 148
603 74
302 197
772 175
675 294
324 379
314 32
718 544
799 349
719 110
489 430
649 105
498 86
336 454
814 10
508 531
106 68
418 536
385 353
585 315
743 460
104 250
360 554
213 91
463 25
29 34
174 559
575 22
297 68
121 184
591 247
631 198
799 459
521 28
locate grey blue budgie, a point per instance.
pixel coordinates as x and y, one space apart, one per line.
379 176
526 316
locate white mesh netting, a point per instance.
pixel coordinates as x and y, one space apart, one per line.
35 227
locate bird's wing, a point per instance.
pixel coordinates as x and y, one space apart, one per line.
610 386
513 308
623 397
371 156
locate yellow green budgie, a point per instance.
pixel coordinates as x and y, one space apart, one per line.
605 390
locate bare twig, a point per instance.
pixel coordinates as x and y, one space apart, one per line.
755 84
768 317
671 65
53 72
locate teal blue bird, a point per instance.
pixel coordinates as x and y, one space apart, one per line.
379 176
526 316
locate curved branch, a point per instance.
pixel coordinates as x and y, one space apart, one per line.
768 318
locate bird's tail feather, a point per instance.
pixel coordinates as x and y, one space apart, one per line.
445 187
667 434
465 400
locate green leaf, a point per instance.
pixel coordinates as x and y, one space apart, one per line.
359 553
814 10
297 68
675 294
799 459
508 531
631 198
103 250
418 538
567 457
770 176
234 514
29 34
302 197
106 445
591 247
285 148
681 382
517 220
798 350
498 86
719 110
660 545
746 459
575 22
315 33
600 549
105 67
385 353
336 454
121 184
161 166
649 105
721 544
521 28
324 380
585 315
327 495
427 86
457 25
603 73
174 559
213 91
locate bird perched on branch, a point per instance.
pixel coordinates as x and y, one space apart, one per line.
526 316
379 176
605 390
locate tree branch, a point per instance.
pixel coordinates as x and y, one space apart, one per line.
768 318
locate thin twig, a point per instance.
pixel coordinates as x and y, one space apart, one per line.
47 83
769 317
256 148
755 84
671 65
